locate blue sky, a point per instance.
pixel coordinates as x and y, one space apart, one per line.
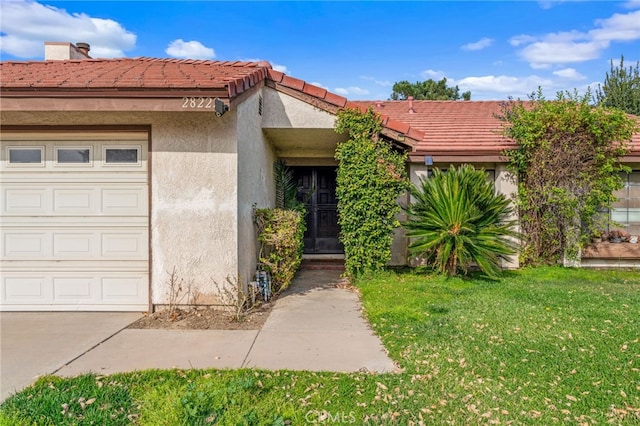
358 49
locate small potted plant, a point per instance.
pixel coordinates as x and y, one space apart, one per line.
618 236
597 236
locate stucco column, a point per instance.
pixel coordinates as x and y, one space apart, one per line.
506 183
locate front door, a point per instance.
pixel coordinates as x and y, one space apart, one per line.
317 188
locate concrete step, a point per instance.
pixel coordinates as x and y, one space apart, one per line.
323 264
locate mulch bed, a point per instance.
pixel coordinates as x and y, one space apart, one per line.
204 318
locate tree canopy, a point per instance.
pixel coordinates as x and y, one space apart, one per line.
621 88
429 90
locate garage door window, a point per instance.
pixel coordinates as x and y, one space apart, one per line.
122 155
31 155
73 155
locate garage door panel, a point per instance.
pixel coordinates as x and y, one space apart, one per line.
75 245
19 200
75 201
118 289
74 228
88 290
90 244
76 289
130 245
82 199
25 289
21 245
124 200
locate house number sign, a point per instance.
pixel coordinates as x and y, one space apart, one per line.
198 103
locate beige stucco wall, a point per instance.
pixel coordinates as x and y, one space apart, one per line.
255 182
506 183
284 111
193 201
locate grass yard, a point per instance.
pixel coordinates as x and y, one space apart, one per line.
539 346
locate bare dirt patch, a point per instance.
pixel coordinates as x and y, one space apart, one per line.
204 318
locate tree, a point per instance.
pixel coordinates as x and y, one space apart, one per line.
621 88
371 176
429 90
458 219
567 166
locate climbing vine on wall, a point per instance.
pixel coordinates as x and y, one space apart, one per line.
567 165
371 176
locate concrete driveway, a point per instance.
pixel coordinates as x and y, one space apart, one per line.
314 325
37 343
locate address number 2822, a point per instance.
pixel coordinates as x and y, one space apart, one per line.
199 103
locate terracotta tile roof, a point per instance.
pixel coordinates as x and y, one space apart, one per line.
435 127
131 73
449 127
455 127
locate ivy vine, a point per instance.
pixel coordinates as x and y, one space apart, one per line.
371 176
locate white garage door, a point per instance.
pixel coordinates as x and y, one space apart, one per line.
74 222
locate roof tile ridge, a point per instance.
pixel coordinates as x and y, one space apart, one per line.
394 124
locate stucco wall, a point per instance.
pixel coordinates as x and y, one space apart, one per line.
193 201
285 111
506 183
255 182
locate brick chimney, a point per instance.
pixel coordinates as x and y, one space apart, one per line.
62 50
411 110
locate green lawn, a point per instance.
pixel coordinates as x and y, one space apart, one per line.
539 346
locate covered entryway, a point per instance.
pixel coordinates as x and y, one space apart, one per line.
74 221
317 188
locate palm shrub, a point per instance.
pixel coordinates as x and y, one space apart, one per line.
456 219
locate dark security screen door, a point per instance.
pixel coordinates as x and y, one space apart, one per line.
317 188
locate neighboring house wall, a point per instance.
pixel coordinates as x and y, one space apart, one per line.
193 185
256 186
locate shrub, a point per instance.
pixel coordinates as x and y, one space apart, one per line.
281 234
457 219
567 162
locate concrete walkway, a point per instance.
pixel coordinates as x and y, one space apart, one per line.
313 326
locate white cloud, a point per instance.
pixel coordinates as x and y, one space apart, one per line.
483 43
548 4
619 27
569 73
26 25
276 67
281 68
189 50
499 87
544 54
351 90
632 4
521 39
383 83
575 46
433 74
